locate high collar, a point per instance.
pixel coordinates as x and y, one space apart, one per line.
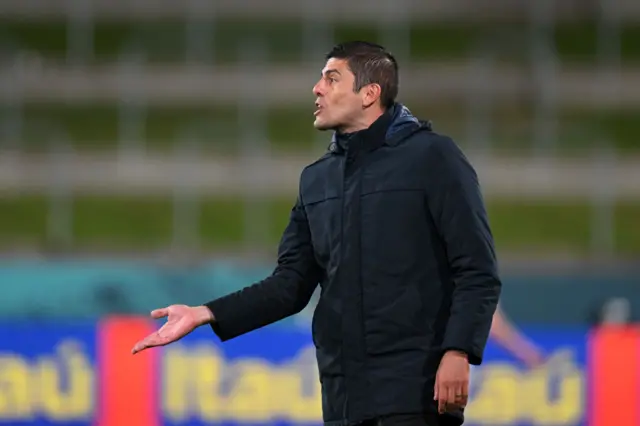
372 137
385 130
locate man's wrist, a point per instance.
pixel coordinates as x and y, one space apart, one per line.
203 315
457 353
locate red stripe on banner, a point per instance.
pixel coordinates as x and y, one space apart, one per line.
614 383
128 383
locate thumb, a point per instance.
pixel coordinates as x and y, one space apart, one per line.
159 313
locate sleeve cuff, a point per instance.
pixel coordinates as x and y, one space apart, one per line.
217 325
474 358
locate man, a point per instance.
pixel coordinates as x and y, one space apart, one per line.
512 340
391 224
505 334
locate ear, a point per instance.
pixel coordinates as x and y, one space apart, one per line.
370 94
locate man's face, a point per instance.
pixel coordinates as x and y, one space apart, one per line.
337 105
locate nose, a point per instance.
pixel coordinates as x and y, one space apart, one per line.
317 89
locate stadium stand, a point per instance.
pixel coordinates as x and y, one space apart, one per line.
124 104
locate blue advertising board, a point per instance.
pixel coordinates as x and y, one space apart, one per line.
49 375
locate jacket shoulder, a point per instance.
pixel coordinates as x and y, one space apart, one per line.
440 152
425 141
313 167
313 177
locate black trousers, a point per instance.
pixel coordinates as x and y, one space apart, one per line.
412 420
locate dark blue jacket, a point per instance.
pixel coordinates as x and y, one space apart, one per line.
392 225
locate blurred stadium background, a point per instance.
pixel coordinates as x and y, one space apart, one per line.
149 155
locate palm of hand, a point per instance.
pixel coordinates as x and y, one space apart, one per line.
180 322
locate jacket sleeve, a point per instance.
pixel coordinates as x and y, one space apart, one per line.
457 208
284 293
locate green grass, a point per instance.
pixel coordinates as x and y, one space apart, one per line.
145 223
284 40
220 129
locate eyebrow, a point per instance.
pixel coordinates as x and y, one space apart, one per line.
331 71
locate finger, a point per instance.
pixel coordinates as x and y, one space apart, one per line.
138 347
462 396
451 395
150 341
159 313
442 398
459 395
435 390
465 392
141 345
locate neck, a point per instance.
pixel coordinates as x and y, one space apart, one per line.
368 117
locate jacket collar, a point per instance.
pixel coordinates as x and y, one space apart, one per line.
388 129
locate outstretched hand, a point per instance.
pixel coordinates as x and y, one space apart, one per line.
532 358
181 320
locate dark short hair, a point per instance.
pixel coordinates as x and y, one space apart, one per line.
370 63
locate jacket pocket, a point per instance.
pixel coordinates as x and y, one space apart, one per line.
323 217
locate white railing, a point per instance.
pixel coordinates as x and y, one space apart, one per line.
335 10
256 84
